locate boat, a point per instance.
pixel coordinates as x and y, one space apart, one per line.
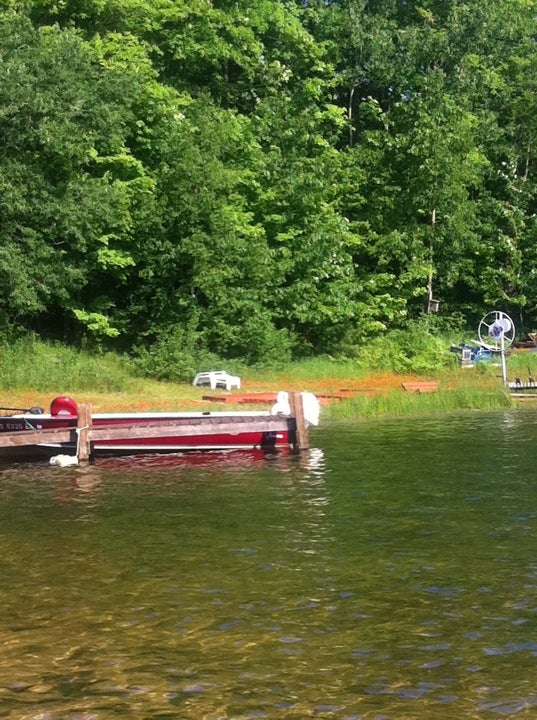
33 432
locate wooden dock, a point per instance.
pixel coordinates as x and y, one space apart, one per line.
86 433
420 386
266 398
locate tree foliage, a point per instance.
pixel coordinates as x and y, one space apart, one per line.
264 178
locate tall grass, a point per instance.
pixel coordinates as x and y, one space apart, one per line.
29 366
30 363
320 368
522 365
399 404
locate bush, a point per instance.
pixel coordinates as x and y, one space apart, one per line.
255 340
176 355
413 349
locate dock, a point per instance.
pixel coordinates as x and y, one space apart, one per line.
523 390
85 434
519 386
420 386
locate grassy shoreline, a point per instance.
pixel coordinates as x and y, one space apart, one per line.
370 395
32 375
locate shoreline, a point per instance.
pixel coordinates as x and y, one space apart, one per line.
342 397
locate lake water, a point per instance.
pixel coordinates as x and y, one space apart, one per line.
388 573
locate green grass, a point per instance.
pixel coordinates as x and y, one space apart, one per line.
522 365
31 363
398 404
32 372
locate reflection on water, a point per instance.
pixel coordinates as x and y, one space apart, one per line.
387 573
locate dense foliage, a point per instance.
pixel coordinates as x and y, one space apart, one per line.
264 178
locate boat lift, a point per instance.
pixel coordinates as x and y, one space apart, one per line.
496 333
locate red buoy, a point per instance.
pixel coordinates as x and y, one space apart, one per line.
63 406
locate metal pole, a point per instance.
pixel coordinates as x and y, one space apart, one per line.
504 368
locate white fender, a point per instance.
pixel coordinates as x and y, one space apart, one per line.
63 460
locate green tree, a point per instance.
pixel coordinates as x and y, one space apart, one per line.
432 94
69 181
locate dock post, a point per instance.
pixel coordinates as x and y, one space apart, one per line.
297 411
83 430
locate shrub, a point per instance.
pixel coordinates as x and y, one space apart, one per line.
255 340
176 355
413 349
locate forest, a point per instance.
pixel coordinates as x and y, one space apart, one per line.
256 179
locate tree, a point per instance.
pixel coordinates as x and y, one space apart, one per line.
69 180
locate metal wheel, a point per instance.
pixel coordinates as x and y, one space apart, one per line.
496 331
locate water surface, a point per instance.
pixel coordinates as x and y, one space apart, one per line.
388 573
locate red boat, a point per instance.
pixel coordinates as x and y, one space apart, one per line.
32 432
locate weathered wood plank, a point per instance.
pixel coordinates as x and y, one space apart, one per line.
421 386
297 411
84 425
36 437
196 427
